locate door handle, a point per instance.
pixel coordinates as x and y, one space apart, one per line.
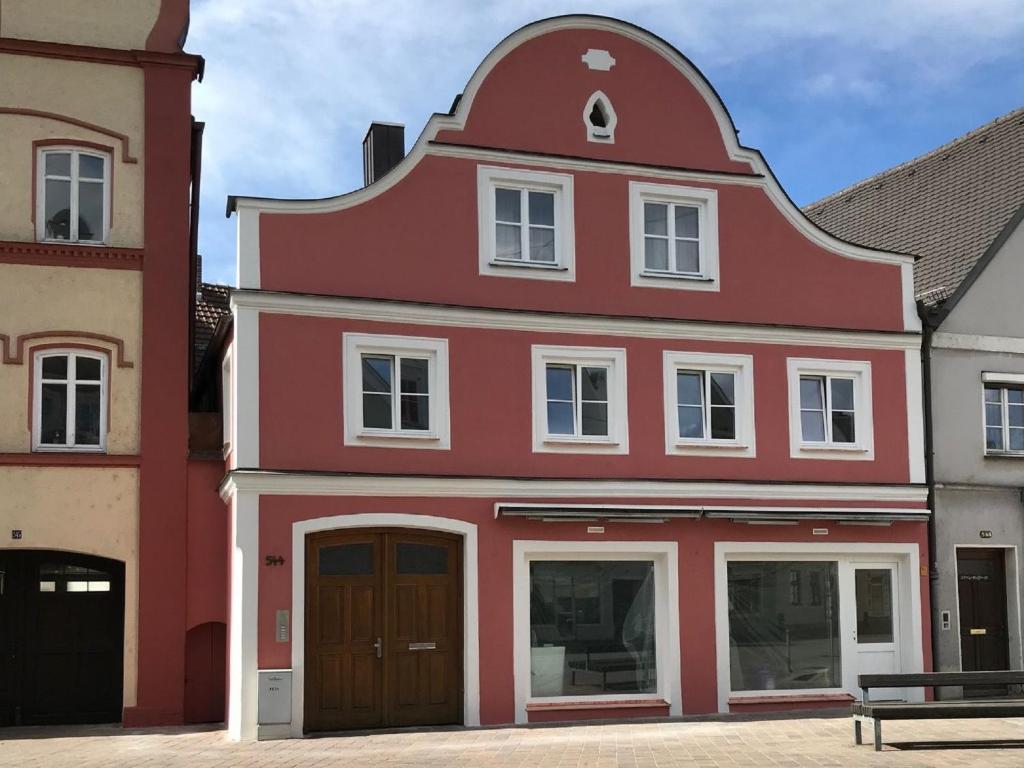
379 647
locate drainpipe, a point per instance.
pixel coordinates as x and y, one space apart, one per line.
929 464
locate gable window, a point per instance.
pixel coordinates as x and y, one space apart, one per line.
600 119
830 409
73 191
525 222
1004 418
396 391
69 401
579 399
709 403
673 236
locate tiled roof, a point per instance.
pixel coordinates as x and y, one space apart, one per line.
211 306
946 206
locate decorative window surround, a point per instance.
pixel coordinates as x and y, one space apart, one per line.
75 384
435 351
491 178
706 278
77 177
600 124
863 448
617 440
1003 414
742 368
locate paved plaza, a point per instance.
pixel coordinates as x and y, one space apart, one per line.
825 741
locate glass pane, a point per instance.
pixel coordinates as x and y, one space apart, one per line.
508 205
689 386
842 394
991 394
595 419
874 605
994 438
1016 439
90 167
810 392
414 375
687 257
1015 414
723 423
415 411
1015 396
47 586
542 244
542 208
55 367
723 390
592 628
993 414
561 420
54 414
509 244
655 219
686 221
86 369
655 253
58 210
782 636
90 211
376 411
87 414
560 382
346 560
842 427
812 426
594 382
377 373
691 421
421 558
58 163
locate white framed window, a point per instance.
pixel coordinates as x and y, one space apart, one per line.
673 236
600 119
396 391
69 404
830 409
709 404
72 195
525 223
579 400
1004 413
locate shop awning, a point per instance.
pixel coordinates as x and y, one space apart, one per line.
632 513
658 513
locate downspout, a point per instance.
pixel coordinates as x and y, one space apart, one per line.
927 330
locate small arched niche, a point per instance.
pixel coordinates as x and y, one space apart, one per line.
599 118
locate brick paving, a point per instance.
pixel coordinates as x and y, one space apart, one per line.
732 743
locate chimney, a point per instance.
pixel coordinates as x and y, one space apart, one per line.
383 149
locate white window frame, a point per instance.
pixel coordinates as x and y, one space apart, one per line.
435 351
614 359
863 419
70 445
706 202
742 367
1003 381
40 201
227 407
490 178
664 555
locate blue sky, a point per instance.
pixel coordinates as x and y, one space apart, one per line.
831 91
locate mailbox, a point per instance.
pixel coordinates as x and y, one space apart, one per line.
275 696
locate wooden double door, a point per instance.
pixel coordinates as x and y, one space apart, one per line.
383 631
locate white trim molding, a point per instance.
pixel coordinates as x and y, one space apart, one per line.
245 386
247 255
243 609
975 343
742 369
863 447
915 415
664 555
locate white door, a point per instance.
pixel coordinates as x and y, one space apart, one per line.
869 598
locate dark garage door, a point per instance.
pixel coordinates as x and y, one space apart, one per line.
61 638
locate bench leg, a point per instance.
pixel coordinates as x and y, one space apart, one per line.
878 734
857 737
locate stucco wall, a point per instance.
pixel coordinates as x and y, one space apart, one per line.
43 299
110 97
80 509
103 23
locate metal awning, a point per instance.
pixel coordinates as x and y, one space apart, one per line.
796 514
659 513
631 513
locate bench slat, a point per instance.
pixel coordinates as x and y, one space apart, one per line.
941 710
929 679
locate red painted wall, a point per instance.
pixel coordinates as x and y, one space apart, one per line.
207 542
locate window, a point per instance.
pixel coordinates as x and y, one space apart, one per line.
396 391
73 195
525 221
69 401
579 399
1004 418
600 119
709 404
830 409
673 236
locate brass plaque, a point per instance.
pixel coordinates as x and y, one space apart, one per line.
975 631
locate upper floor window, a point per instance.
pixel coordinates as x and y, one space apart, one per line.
396 389
1004 418
525 221
709 403
830 408
673 236
73 192
70 401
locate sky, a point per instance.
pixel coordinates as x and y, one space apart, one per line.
831 91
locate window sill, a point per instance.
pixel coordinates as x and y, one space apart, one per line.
527 265
92 243
540 705
796 697
832 448
723 445
655 275
570 440
69 449
1005 454
371 435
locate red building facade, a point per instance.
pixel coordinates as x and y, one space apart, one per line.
570 415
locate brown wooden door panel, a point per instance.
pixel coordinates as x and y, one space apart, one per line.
981 588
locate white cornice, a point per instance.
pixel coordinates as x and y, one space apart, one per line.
373 310
323 484
974 343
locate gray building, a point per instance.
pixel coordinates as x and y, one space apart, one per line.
960 208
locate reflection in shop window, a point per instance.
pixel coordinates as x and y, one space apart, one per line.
776 642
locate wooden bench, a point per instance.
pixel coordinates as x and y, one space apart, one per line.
873 713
